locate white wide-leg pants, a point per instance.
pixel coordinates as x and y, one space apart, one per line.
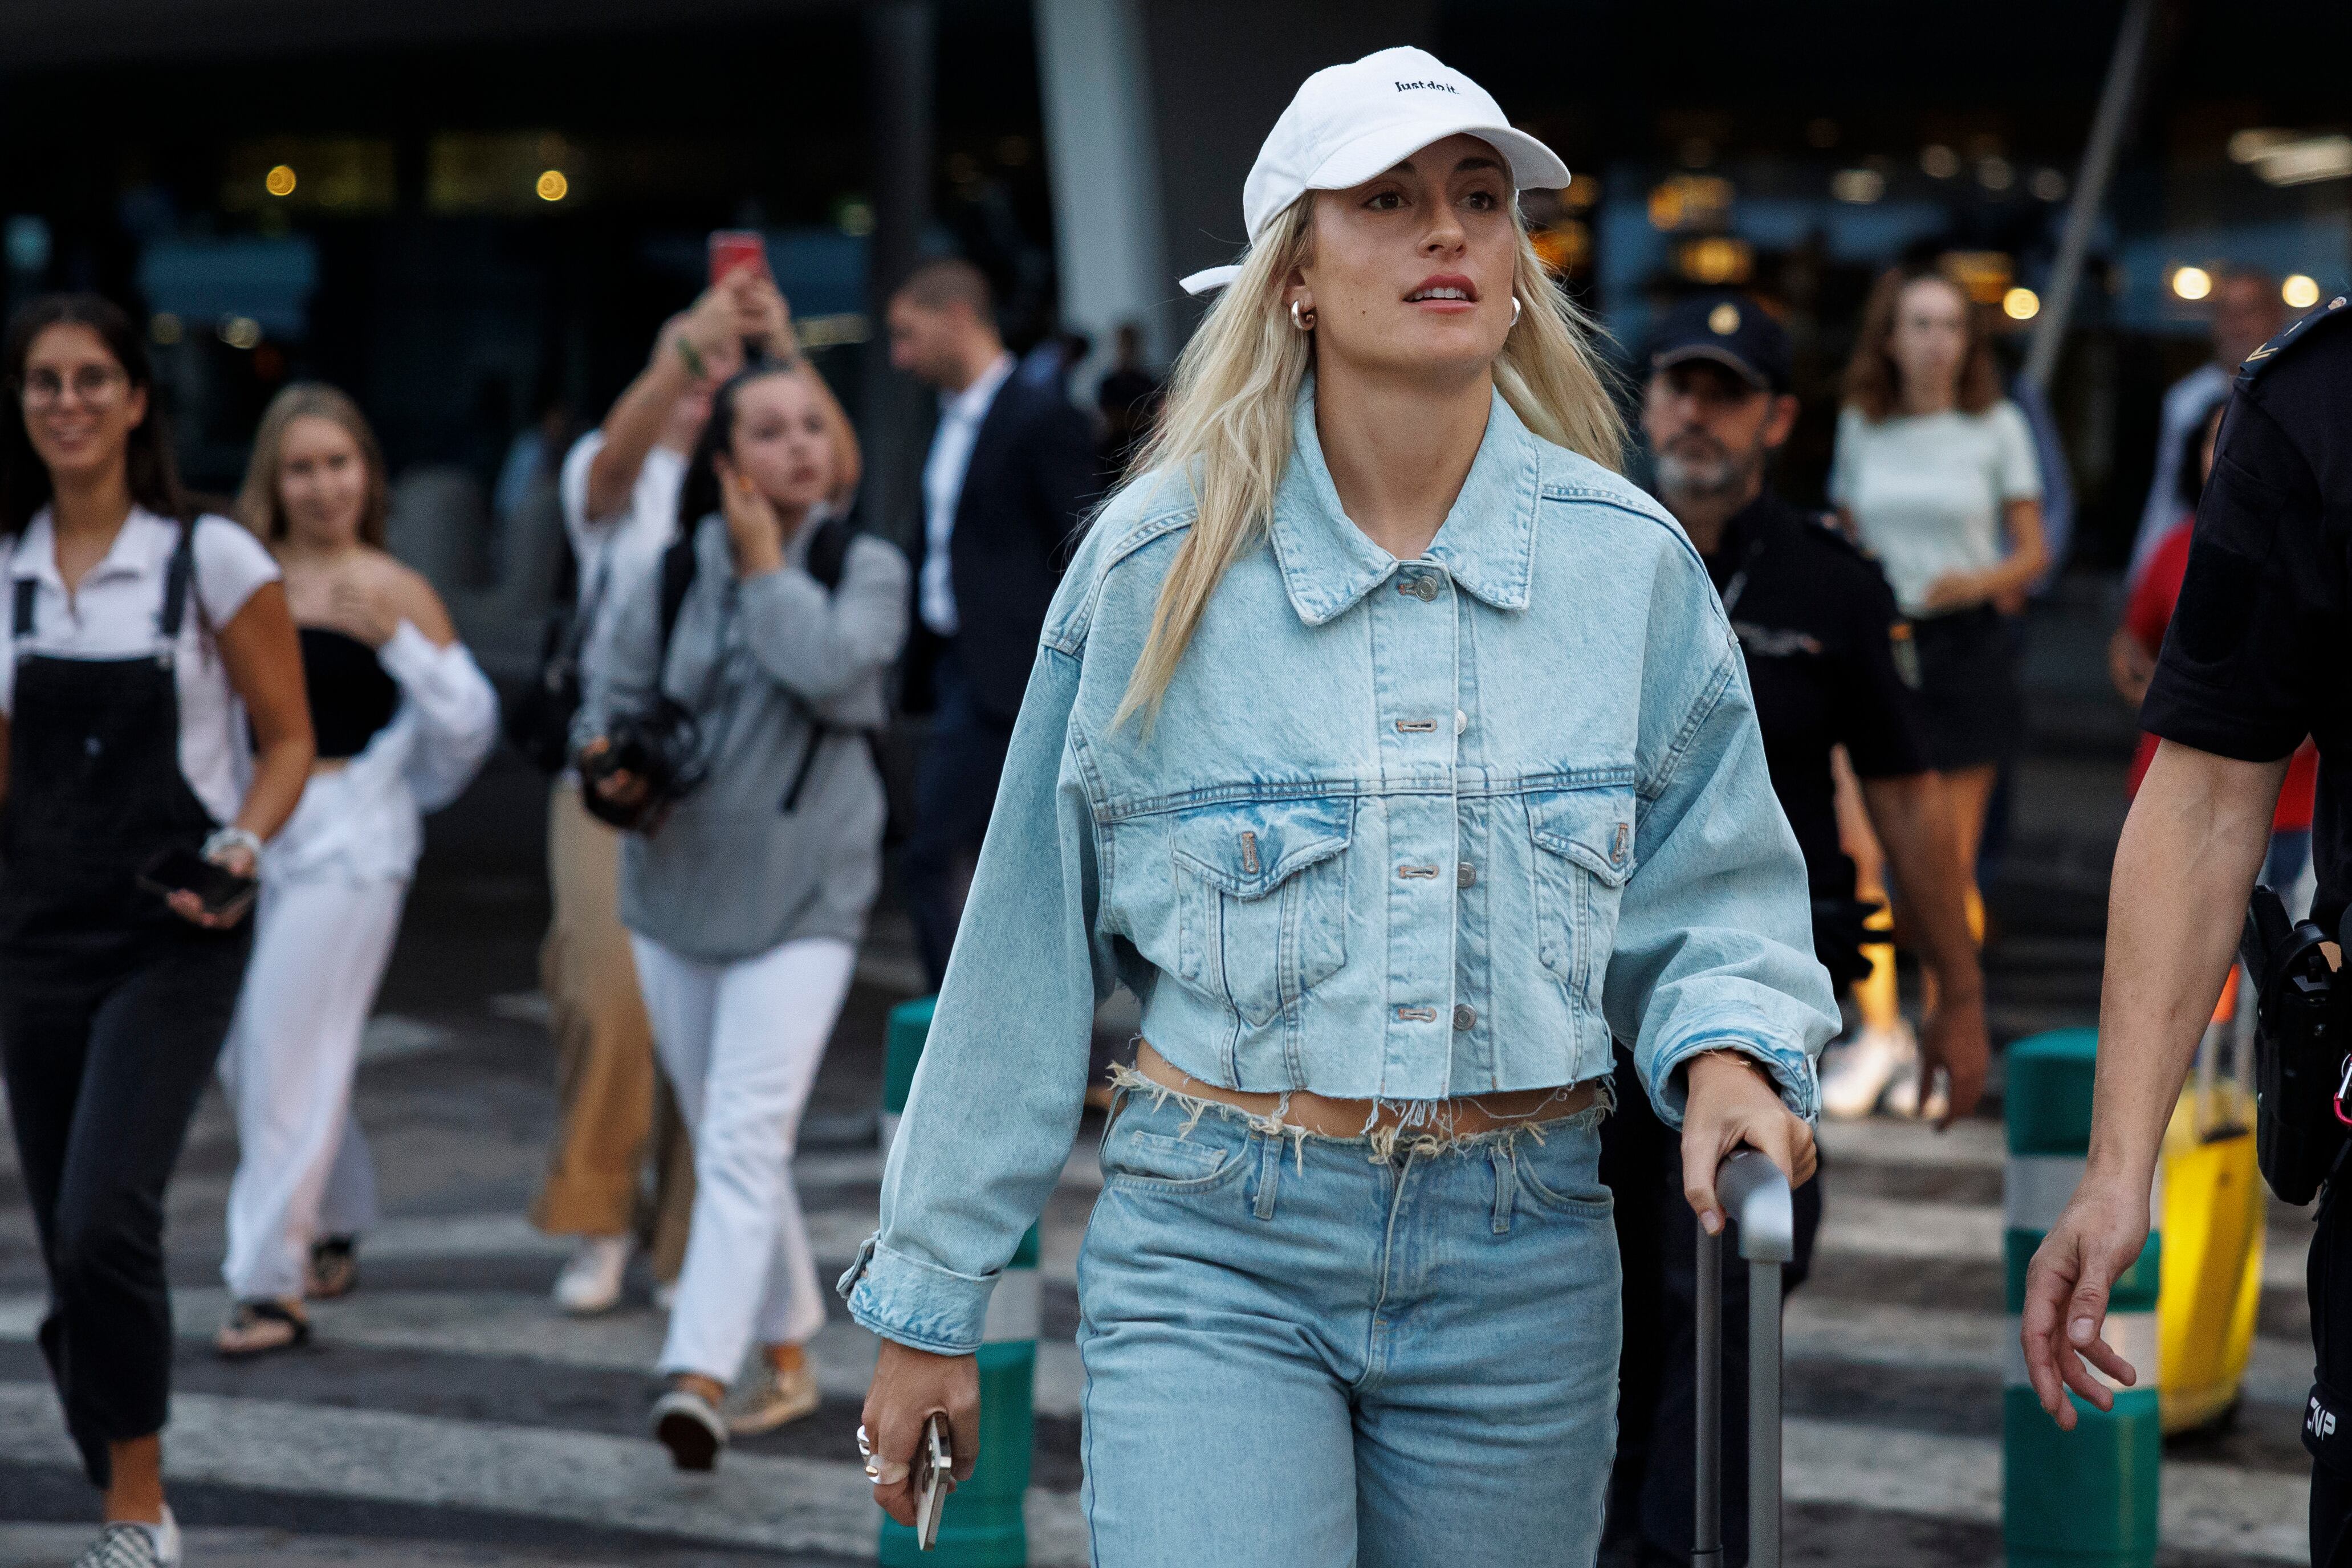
319 954
741 1043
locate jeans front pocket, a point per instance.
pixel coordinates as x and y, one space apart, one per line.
1561 1174
1584 853
1165 1162
1262 891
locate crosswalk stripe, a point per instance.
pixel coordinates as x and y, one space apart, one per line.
779 1503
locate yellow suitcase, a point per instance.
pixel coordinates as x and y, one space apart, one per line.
2214 1212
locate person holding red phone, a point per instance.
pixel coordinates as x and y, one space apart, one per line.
136 630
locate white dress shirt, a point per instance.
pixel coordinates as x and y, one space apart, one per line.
961 414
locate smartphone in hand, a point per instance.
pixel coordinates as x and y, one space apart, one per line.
731 250
179 869
933 1461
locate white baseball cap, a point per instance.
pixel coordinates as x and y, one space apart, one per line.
1349 123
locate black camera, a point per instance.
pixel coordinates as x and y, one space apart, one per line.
661 749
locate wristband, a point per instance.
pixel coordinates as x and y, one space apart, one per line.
693 358
233 838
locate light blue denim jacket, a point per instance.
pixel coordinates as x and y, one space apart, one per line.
1401 831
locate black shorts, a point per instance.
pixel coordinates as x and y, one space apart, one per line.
1971 708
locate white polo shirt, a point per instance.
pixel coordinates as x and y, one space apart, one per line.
114 614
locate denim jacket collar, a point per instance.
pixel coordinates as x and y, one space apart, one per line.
1486 543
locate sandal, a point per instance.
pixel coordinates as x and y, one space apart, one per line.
259 1327
334 1269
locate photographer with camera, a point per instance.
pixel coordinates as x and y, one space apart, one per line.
727 727
2252 662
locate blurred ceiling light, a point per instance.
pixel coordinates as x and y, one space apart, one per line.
2245 146
1983 275
552 186
2301 291
1823 133
2020 304
2193 283
1860 186
2304 161
1716 259
1583 192
279 181
1995 174
1690 202
164 328
2048 185
1938 161
240 332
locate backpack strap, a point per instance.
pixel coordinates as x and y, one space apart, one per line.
178 576
676 576
828 553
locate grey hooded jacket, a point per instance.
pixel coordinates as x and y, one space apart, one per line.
762 662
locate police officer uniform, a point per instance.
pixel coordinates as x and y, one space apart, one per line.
1829 662
2255 660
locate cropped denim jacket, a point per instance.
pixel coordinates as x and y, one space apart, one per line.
1401 831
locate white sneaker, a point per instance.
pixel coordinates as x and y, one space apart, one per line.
773 1399
130 1545
1853 1076
1903 1094
590 1281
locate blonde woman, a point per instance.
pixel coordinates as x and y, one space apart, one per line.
1395 752
403 719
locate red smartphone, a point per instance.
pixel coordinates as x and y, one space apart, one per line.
734 250
181 870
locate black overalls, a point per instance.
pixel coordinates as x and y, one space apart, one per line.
112 1008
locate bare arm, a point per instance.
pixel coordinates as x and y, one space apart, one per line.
637 420
1908 814
2002 585
2190 848
264 659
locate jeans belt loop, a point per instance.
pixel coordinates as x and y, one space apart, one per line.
1505 1153
1269 1172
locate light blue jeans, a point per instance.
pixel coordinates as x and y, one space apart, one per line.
1299 1353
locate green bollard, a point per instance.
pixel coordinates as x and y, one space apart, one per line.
983 1526
902 1047
2084 1499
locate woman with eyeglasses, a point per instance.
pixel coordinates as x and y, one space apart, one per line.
133 824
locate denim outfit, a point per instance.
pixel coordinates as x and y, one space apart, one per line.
1399 832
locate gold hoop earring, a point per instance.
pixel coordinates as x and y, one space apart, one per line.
1307 324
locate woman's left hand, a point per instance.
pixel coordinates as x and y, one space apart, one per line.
1953 591
235 859
1732 1102
753 526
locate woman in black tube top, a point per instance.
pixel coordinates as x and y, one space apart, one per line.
403 719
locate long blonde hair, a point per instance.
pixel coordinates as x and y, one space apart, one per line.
1227 426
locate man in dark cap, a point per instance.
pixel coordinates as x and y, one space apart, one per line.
1828 658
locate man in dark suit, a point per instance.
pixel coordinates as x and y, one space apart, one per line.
1011 473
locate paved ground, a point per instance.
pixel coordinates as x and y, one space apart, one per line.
445 1415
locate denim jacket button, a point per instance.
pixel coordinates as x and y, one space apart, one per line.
1465 874
1464 1016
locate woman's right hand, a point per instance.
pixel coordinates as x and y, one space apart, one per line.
909 1388
620 786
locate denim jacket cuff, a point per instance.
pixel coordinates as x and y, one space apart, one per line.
919 1305
1790 1066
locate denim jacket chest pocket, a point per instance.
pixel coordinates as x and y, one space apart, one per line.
1261 895
1583 842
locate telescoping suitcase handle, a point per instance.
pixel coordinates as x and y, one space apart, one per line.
1756 1196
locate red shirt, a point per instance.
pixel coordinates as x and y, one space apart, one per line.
2145 616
